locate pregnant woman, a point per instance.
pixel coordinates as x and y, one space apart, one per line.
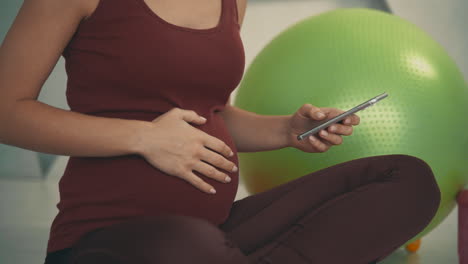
153 143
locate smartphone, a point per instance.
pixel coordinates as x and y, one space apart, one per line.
339 118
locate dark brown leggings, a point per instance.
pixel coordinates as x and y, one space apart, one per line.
356 212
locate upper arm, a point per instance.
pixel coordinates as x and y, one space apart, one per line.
33 45
241 8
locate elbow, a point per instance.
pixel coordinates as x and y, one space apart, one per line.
6 113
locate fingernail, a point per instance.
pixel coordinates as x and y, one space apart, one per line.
234 169
212 190
320 115
204 119
324 133
312 138
231 154
332 129
227 179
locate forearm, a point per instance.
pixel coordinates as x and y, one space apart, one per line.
254 133
36 126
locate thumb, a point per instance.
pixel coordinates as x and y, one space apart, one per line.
313 112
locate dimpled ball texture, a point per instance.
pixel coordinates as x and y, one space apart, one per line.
342 58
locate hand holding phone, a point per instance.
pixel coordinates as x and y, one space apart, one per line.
342 116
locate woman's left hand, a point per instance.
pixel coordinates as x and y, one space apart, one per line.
306 117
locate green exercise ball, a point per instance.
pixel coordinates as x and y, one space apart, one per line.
342 58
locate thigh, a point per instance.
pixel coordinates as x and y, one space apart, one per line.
161 239
259 219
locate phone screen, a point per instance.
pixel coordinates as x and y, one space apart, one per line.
339 118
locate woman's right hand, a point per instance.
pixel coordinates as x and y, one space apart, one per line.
176 148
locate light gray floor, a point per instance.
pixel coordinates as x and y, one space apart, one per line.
28 206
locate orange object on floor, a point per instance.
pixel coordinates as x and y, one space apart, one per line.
413 247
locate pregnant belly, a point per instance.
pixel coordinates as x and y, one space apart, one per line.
94 188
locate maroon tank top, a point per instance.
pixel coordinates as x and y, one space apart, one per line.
126 62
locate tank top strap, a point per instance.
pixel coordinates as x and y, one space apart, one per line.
231 16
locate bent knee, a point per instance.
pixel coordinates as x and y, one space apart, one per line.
420 176
417 169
